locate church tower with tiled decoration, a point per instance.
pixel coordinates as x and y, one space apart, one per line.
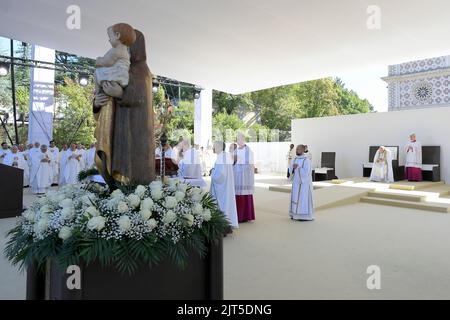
419 84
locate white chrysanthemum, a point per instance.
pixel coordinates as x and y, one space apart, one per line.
188 219
124 223
170 202
145 214
66 203
182 187
96 223
117 194
179 195
151 224
147 203
92 211
140 191
169 217
67 213
65 233
157 194
206 214
134 200
42 225
29 215
197 209
122 207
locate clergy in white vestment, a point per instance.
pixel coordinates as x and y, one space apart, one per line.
189 168
382 166
301 207
81 152
72 165
62 159
16 159
4 151
26 171
289 157
41 174
53 151
89 158
222 183
244 180
413 165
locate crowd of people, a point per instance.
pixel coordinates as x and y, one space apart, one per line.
45 166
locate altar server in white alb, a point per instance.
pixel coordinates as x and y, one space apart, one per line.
301 207
413 165
16 159
53 151
72 165
41 175
222 183
89 159
382 166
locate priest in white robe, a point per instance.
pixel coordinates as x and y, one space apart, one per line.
4 151
81 152
222 183
62 159
301 207
53 151
72 165
382 166
189 168
413 165
244 180
41 175
15 159
89 158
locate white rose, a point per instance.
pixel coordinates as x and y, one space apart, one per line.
67 213
65 233
189 219
147 203
41 225
117 194
92 211
134 200
156 184
172 182
145 214
96 223
66 203
170 202
206 214
179 195
29 215
122 207
140 190
151 224
157 194
124 223
182 187
197 209
169 217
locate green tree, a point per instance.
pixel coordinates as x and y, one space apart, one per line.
74 120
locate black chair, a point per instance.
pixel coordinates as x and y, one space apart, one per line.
431 163
398 171
327 170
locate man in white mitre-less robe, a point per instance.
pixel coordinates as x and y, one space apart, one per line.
72 165
41 175
301 207
382 166
222 183
189 168
15 159
4 151
89 157
413 165
62 159
53 151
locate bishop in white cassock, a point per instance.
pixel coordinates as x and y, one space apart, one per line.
53 151
41 174
382 166
16 159
222 184
72 165
413 165
301 207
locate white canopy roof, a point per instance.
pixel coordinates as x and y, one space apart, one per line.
242 45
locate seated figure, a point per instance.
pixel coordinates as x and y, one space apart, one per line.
382 166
